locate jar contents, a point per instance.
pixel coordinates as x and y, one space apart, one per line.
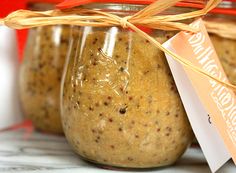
226 51
41 74
223 37
120 105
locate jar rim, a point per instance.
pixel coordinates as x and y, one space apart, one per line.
227 7
227 4
127 9
74 3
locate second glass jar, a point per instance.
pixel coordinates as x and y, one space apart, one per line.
221 29
41 72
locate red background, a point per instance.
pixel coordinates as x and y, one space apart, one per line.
7 6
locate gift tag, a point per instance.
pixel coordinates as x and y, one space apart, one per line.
211 107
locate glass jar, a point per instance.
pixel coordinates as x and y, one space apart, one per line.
119 105
221 28
41 72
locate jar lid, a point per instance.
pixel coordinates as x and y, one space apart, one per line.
44 1
41 5
227 7
74 3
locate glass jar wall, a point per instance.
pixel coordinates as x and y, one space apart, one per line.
221 28
120 105
41 73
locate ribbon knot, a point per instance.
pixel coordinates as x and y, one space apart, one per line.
124 21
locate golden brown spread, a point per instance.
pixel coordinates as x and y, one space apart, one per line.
120 104
226 51
223 36
40 76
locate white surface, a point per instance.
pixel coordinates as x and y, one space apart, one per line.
9 107
22 151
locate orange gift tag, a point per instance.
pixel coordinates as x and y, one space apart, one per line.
217 135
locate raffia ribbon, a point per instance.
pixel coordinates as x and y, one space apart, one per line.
147 17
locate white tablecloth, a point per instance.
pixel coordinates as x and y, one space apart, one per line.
25 151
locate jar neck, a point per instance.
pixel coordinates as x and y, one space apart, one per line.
222 23
227 4
129 9
221 16
226 9
40 6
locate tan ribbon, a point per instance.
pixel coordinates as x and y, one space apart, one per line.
147 17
